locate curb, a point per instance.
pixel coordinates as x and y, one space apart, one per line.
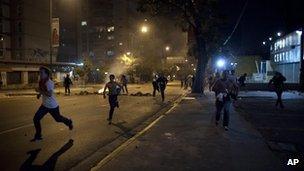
121 142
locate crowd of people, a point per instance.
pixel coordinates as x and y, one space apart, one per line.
112 89
225 86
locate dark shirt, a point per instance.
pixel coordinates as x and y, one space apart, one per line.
278 82
67 81
162 82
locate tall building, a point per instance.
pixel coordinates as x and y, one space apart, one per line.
25 41
106 28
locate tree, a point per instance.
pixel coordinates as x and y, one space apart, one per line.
85 70
200 17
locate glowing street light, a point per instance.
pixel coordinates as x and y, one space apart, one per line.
220 63
270 38
144 29
167 48
264 43
128 53
279 34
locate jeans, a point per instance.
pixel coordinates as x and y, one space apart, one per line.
279 99
67 89
155 88
113 103
162 92
223 105
125 88
42 111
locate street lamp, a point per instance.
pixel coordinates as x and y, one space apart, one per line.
279 34
144 29
264 43
167 48
220 63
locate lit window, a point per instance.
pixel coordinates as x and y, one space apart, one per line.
110 29
110 53
84 23
110 37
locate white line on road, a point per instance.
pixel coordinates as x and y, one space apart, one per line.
129 141
13 129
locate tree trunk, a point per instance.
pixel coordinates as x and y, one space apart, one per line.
199 81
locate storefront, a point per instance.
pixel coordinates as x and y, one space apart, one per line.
286 56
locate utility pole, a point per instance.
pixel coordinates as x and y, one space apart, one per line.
51 34
302 61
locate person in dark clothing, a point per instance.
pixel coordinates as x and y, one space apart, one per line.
182 82
278 83
124 82
155 86
223 88
162 83
67 83
242 80
114 90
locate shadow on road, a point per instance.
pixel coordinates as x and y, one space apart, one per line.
50 164
125 131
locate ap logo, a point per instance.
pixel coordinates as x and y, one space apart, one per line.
292 162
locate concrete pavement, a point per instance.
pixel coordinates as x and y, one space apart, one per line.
62 149
187 139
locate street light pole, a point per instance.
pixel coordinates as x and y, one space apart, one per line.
51 34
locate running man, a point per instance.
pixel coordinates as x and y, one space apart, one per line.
114 90
124 82
278 83
49 103
162 83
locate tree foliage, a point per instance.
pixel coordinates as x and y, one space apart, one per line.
200 18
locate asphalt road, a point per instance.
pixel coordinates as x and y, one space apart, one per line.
60 148
283 129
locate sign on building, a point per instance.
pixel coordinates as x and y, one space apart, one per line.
55 32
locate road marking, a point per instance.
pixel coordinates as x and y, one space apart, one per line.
124 145
71 99
119 149
14 129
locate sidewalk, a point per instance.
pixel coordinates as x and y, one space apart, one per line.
187 139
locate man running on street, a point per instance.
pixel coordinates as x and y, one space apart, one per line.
114 90
49 103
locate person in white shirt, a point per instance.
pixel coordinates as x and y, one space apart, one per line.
49 103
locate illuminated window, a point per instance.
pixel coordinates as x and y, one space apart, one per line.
110 29
84 23
110 37
110 53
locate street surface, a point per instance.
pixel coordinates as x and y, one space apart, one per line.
63 149
283 129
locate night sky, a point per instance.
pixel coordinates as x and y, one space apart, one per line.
262 19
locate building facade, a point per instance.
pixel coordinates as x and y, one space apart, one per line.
285 54
25 42
107 27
